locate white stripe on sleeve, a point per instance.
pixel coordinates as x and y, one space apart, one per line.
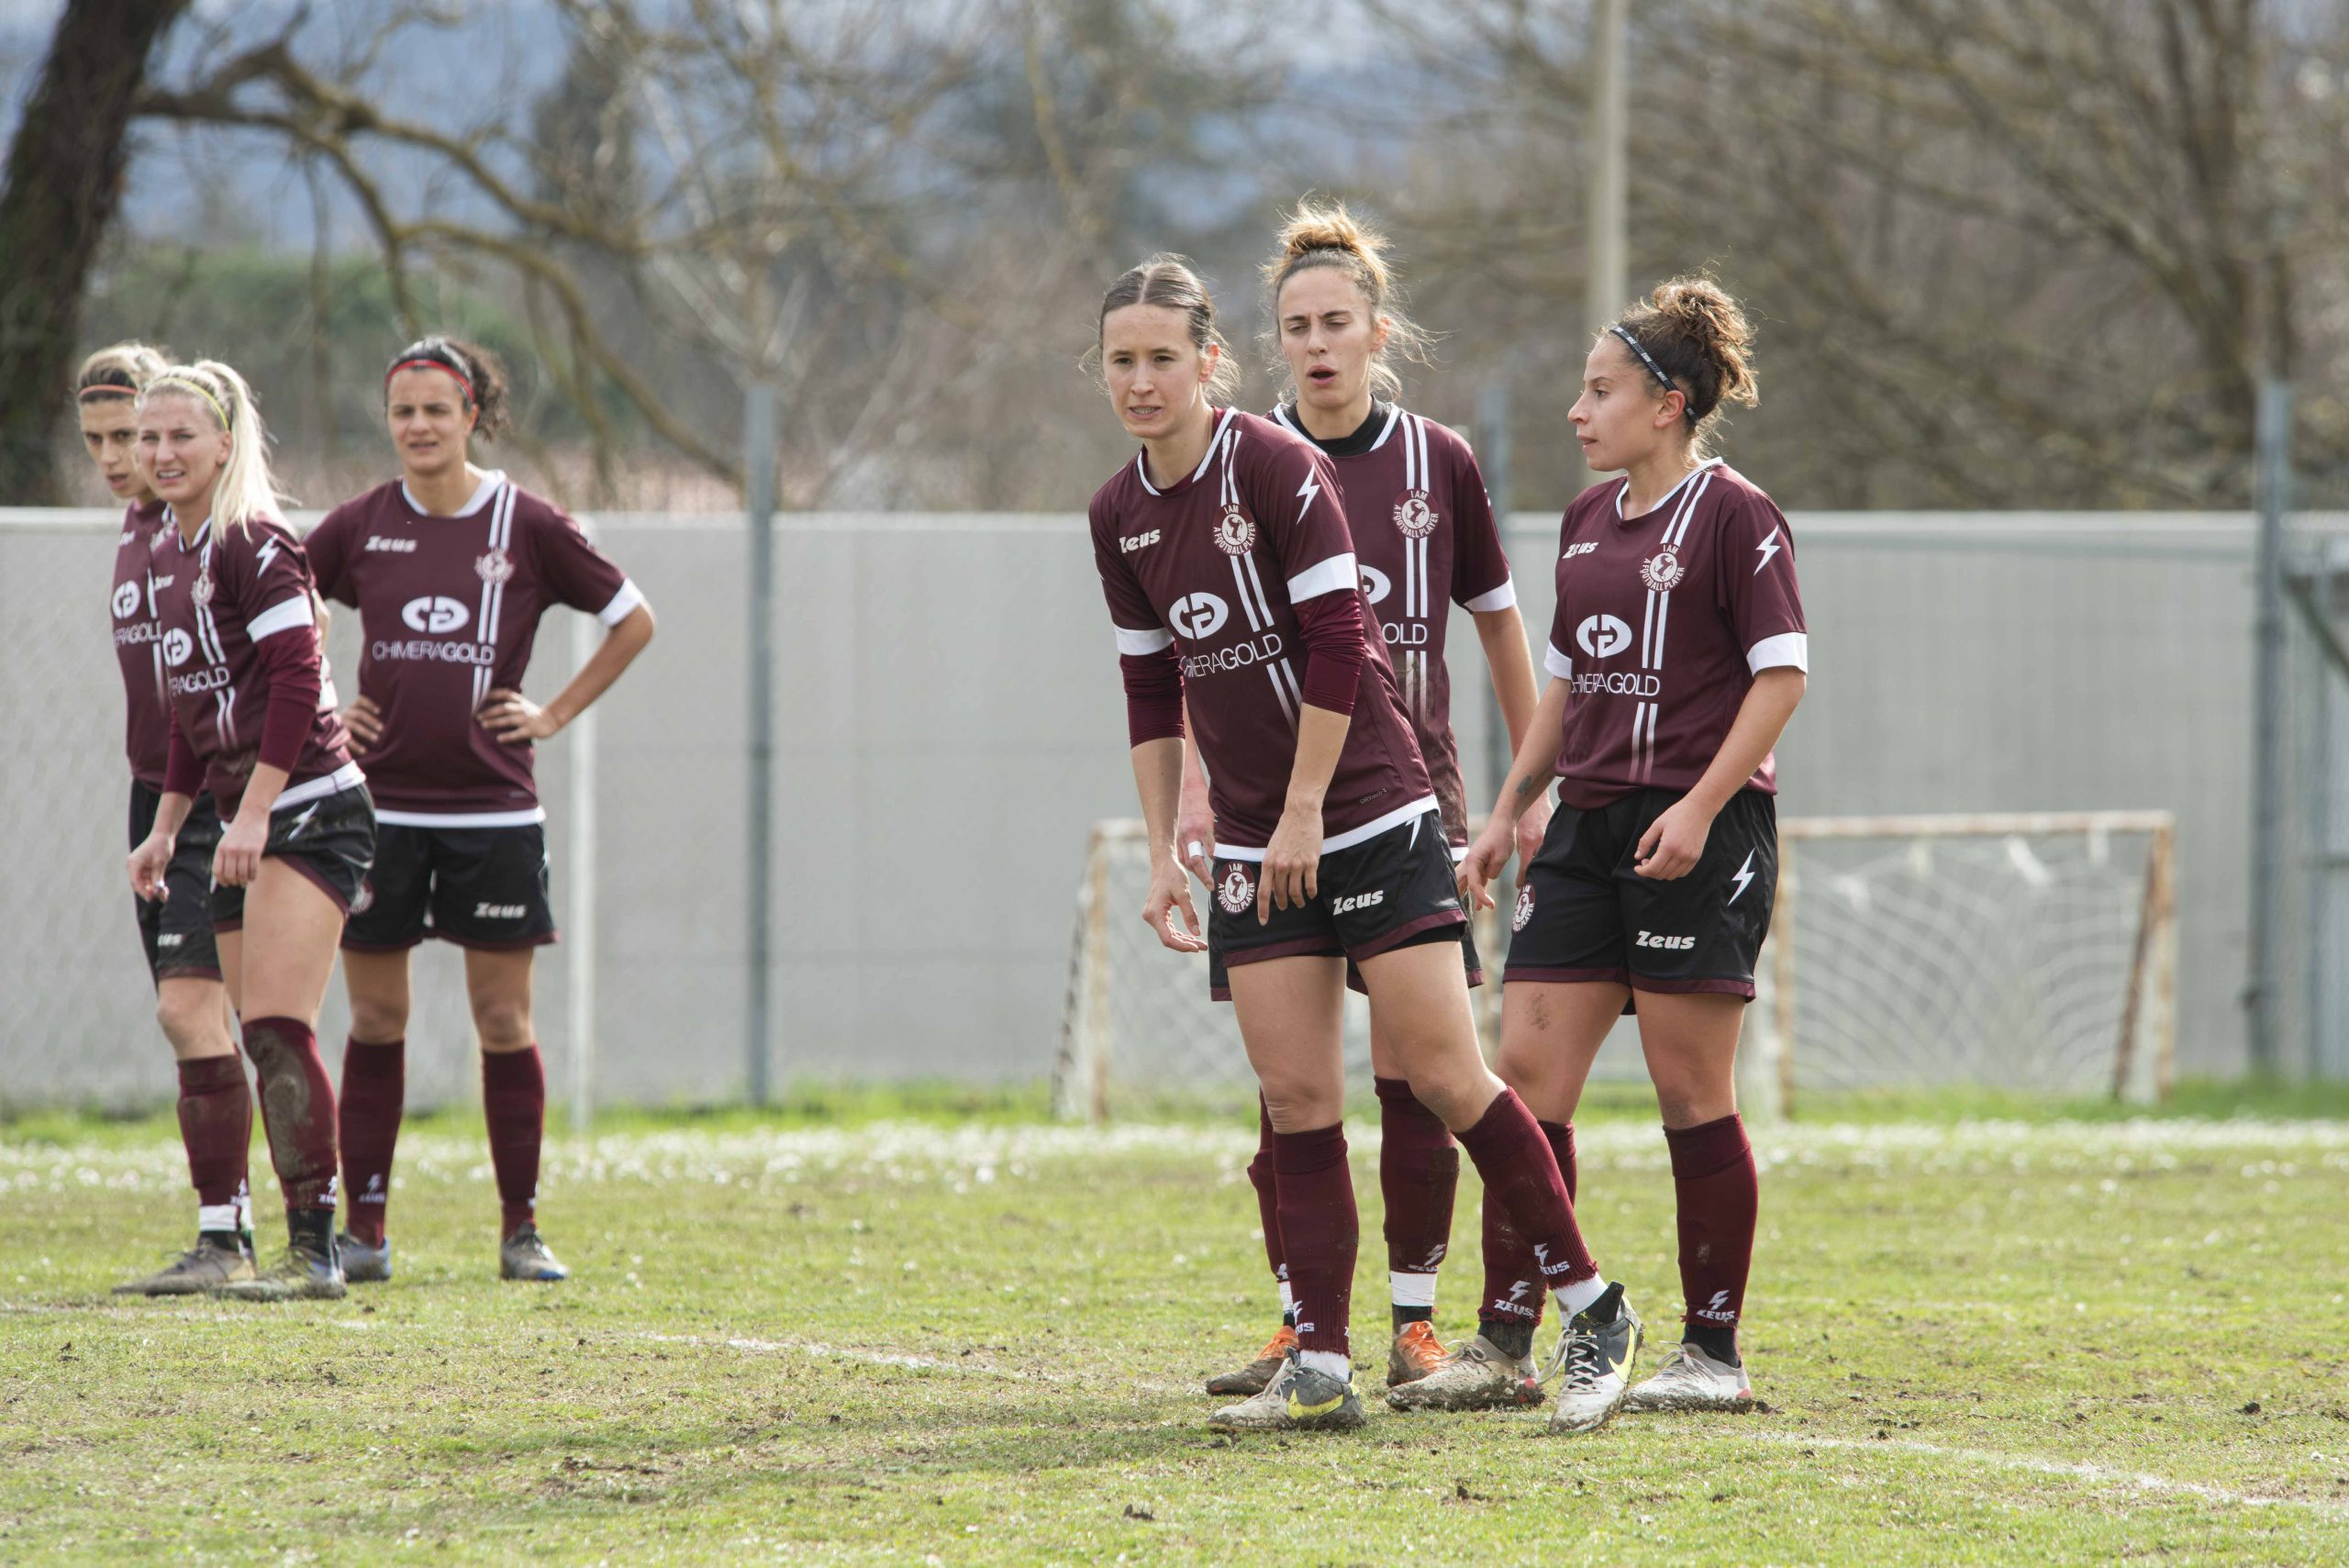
1140 643
283 616
623 603
1325 577
1788 649
1557 663
1499 598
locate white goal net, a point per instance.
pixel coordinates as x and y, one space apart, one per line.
2027 952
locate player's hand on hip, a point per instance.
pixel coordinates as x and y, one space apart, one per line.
1486 857
1674 842
147 865
365 722
1195 840
1292 874
516 720
237 859
1168 892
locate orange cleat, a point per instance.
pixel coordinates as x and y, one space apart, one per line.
1415 1354
1257 1375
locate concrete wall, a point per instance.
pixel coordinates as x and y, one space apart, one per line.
950 721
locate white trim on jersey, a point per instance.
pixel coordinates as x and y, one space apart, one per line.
1143 643
534 816
623 603
1142 459
347 776
1557 663
1346 840
1460 853
1492 599
1325 577
480 498
1410 457
283 616
1387 428
1251 591
1789 650
1705 466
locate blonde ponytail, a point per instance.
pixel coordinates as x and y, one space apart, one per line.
245 488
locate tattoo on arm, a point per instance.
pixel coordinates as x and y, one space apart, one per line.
1529 784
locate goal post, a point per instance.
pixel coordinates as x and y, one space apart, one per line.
2026 952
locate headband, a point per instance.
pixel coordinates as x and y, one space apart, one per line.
105 389
420 361
1646 359
195 387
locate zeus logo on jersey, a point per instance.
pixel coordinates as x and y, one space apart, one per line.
1140 541
1197 615
177 646
1674 944
1348 904
433 613
1603 637
398 545
125 600
1575 549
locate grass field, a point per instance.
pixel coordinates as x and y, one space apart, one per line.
1978 1342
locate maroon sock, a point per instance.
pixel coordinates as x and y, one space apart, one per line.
1268 1203
1513 1290
1419 1172
1713 1175
1520 1170
297 1109
374 1091
1319 1232
514 1100
217 1125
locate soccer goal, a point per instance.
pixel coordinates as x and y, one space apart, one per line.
2034 952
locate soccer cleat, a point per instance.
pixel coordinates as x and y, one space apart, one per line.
1597 1351
304 1272
1258 1374
1415 1354
1297 1399
1479 1376
197 1269
363 1262
524 1256
1691 1380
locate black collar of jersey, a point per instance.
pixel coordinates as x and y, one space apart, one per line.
1365 435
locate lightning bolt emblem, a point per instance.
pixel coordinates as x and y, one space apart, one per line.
1308 491
1769 547
1744 877
268 555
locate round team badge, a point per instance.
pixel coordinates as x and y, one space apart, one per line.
365 899
1235 531
494 566
1414 515
1236 893
1523 915
200 591
1662 572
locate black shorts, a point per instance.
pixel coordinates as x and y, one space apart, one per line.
328 840
1396 890
176 930
1583 914
1219 985
478 888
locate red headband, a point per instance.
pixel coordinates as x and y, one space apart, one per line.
442 366
107 389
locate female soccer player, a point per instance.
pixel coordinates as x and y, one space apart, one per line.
214 1104
1679 653
1233 589
244 675
450 567
1416 506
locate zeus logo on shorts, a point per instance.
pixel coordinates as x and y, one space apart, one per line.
1347 906
1602 637
497 911
1676 944
433 613
1197 615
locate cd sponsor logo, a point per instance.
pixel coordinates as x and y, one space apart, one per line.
1239 656
1376 584
1662 572
424 650
1235 892
1197 615
126 599
1414 515
1623 684
177 646
434 613
1405 634
1235 531
1602 637
141 631
210 680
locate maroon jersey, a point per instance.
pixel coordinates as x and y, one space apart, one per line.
448 608
1663 622
1213 567
217 601
1417 508
138 646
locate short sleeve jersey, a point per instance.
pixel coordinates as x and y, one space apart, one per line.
1663 622
1417 508
217 600
138 646
1213 567
448 609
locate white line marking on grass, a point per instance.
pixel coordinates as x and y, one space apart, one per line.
2077 1470
967 1366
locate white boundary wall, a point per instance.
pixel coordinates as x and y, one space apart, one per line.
949 724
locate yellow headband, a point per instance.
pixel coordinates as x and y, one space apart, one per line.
192 386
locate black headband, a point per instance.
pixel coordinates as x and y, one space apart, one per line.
1646 359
